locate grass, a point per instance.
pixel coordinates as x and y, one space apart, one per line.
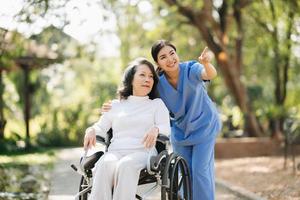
16 166
37 157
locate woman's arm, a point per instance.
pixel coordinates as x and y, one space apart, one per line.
99 128
209 71
162 118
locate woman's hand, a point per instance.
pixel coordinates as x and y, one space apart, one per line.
205 57
210 71
106 107
150 137
89 138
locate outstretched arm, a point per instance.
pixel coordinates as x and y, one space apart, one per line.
209 71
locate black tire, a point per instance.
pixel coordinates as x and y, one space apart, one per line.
82 185
176 179
165 176
180 187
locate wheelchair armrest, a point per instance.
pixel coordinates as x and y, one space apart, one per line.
154 162
162 138
100 139
105 141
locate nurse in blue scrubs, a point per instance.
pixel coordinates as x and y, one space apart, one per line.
195 122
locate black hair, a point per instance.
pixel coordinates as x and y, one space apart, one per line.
126 90
155 49
158 45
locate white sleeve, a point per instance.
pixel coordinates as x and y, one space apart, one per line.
105 122
103 125
162 119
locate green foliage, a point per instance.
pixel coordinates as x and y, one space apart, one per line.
64 130
12 45
66 96
263 55
58 41
18 79
8 145
63 97
74 92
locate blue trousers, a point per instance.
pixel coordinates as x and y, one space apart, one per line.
200 159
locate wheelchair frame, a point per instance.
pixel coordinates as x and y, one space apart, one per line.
169 171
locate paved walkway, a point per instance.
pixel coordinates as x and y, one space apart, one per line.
64 181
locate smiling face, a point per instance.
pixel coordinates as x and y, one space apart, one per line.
167 59
143 80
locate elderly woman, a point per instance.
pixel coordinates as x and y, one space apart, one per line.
136 119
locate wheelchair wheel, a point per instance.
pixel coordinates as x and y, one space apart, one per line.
176 179
82 185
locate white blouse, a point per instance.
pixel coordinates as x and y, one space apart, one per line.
131 119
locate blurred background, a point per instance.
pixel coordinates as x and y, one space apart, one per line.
60 60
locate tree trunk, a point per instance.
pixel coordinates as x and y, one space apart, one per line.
276 126
2 119
281 66
2 49
239 92
26 72
230 63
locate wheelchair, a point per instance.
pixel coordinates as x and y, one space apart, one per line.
168 171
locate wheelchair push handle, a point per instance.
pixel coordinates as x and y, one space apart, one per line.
81 167
74 167
83 159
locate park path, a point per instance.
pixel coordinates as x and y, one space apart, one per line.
64 181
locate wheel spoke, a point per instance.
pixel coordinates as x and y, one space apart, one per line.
180 182
84 188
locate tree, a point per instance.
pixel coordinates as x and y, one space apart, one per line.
10 47
130 28
277 19
225 39
18 52
2 117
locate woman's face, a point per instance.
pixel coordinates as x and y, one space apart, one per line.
142 82
167 59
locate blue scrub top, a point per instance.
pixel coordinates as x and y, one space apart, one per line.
195 117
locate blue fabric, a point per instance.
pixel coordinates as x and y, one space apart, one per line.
195 117
195 124
200 159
